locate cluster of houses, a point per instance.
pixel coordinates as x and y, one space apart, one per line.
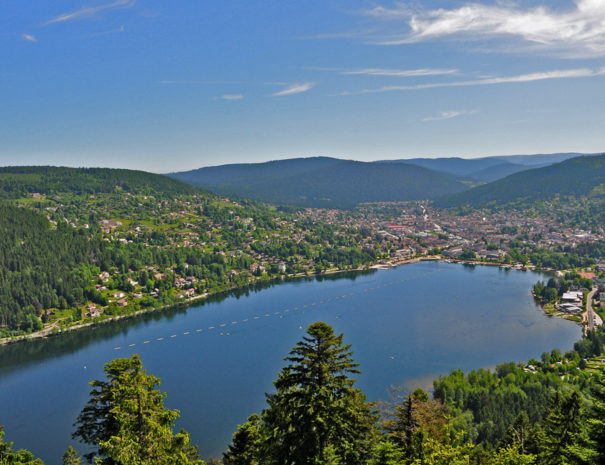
486 234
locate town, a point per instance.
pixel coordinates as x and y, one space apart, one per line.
204 245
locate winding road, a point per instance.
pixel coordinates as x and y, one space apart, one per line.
592 317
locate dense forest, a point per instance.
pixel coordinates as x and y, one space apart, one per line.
325 182
45 267
19 181
578 177
547 412
41 267
69 257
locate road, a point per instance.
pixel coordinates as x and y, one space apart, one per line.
593 319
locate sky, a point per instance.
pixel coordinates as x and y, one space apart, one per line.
174 85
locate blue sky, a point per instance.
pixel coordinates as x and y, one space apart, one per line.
165 86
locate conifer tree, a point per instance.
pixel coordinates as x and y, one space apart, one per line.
315 415
589 448
561 427
244 447
128 422
70 457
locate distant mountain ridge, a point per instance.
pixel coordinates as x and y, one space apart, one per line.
488 169
324 182
581 176
17 181
337 183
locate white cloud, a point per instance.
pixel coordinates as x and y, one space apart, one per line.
294 89
111 31
29 37
556 74
578 32
174 82
231 97
91 11
401 72
449 115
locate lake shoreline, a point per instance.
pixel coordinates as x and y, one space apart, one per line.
53 331
407 323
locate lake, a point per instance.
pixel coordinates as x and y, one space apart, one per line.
407 325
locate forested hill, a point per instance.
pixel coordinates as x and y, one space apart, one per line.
325 182
581 176
21 181
40 266
253 173
488 169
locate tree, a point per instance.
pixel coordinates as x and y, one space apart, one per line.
414 420
70 457
521 434
128 422
20 457
561 427
244 450
590 447
513 455
387 453
315 415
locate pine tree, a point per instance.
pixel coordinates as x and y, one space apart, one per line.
519 433
128 422
244 447
70 457
315 415
414 420
561 427
590 446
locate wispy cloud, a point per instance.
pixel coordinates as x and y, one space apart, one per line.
388 72
196 81
294 89
111 31
401 72
230 97
91 11
29 37
541 76
449 115
577 31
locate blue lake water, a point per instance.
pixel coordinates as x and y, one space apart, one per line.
407 325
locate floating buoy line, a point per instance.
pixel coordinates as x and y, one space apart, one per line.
277 313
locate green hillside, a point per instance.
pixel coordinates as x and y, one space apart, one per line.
488 169
40 266
581 176
21 181
325 182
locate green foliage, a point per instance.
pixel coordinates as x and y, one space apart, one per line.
8 456
315 412
589 444
468 255
484 393
324 182
126 419
71 457
38 266
20 181
561 426
244 449
575 177
511 455
317 417
387 453
414 420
